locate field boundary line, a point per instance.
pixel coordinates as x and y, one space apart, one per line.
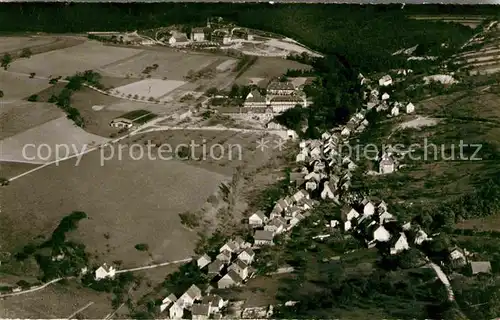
80 310
33 289
154 265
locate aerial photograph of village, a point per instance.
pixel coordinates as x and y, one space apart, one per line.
249 161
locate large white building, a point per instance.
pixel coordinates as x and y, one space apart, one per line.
280 104
197 35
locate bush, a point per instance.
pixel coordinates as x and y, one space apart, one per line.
4 181
33 98
6 60
189 219
26 53
142 247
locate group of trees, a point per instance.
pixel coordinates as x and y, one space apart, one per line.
58 257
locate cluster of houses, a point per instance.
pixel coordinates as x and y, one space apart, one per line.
212 34
280 96
200 306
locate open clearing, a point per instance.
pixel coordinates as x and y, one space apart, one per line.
8 44
68 61
18 116
267 68
133 208
60 131
419 122
12 169
491 223
57 301
20 86
155 88
172 64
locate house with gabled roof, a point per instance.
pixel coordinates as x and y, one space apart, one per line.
263 238
257 219
381 234
247 256
300 195
255 99
200 312
105 271
240 267
480 267
400 245
276 225
215 267
167 301
368 207
203 261
224 256
215 302
190 296
176 310
230 279
348 213
295 220
229 246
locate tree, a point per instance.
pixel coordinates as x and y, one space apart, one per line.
142 247
1 94
32 75
26 53
33 98
4 181
211 92
6 60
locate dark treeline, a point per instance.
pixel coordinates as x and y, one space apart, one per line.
365 34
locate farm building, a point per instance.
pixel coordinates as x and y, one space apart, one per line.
280 88
255 99
121 123
105 271
282 103
178 39
197 34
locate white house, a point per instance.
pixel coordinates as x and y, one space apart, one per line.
247 256
386 165
263 238
345 132
385 96
300 158
410 108
230 279
215 267
197 34
301 194
385 81
257 219
420 237
400 245
240 267
311 185
215 302
200 312
203 261
178 39
176 311
121 123
395 111
349 213
327 190
105 271
276 225
224 256
385 217
230 246
368 207
347 225
381 234
190 296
